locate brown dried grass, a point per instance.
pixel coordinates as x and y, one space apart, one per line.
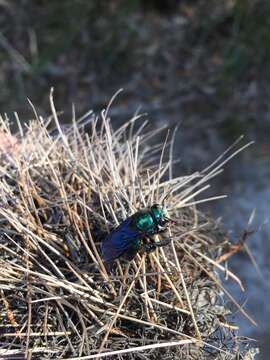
60 195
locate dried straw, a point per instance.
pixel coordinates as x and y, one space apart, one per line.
62 191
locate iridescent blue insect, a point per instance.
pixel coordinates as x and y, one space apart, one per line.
132 234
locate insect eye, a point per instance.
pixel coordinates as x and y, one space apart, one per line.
159 214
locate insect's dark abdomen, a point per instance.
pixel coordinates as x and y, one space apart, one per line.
133 250
122 240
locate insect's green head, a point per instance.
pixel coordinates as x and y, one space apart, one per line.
159 214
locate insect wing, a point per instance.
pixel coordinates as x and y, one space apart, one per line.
119 241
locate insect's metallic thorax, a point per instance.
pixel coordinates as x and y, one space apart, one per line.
143 222
151 220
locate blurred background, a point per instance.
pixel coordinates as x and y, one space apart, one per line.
203 65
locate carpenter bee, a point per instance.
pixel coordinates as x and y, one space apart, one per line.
132 234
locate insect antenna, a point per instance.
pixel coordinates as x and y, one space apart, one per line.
141 197
164 198
160 165
171 152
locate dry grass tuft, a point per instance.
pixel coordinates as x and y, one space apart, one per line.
61 193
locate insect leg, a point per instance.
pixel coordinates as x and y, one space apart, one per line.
163 242
149 247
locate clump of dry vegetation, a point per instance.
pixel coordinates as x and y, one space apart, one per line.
61 193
